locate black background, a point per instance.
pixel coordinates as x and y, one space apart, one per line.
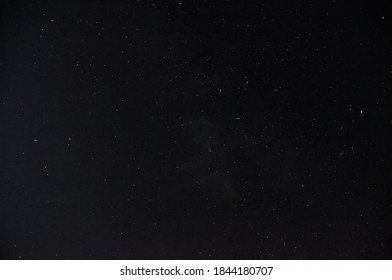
195 130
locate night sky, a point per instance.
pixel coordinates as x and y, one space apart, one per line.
195 130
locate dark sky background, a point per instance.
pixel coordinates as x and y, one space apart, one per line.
195 130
